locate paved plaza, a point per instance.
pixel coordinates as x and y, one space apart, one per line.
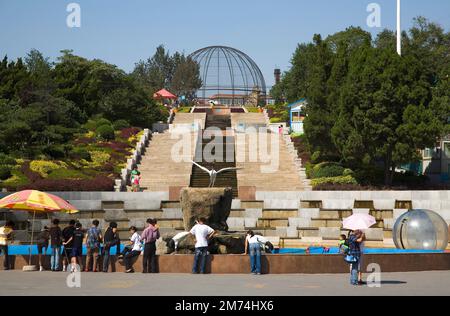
54 283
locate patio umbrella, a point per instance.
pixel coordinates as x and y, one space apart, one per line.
36 202
359 222
164 94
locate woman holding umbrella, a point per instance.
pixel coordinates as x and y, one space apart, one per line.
356 223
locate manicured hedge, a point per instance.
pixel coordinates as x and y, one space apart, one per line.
334 180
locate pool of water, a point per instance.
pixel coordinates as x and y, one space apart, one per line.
19 250
335 250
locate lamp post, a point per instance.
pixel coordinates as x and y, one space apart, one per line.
399 29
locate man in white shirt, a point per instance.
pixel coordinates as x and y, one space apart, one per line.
202 233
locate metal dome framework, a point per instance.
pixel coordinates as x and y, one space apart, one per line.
229 73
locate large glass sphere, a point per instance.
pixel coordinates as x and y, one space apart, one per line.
420 229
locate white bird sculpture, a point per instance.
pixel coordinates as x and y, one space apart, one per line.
213 173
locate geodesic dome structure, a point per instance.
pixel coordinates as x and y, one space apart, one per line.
228 75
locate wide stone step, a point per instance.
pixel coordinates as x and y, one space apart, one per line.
276 214
325 222
170 204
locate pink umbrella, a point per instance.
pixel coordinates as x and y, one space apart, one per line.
359 222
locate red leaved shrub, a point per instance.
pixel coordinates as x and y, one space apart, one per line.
99 183
30 174
128 132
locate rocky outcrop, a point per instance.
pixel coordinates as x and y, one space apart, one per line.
214 204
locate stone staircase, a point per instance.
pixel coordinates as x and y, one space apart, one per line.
158 168
199 178
257 171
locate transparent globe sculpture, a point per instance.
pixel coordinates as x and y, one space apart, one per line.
422 230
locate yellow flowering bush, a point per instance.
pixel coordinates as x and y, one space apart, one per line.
99 158
44 167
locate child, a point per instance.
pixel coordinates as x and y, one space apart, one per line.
77 250
343 245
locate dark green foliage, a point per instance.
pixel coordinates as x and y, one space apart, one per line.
6 160
120 124
5 172
327 170
178 73
368 107
55 151
80 153
102 122
105 132
44 105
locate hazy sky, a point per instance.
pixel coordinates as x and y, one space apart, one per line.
124 31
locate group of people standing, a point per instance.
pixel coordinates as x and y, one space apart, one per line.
68 243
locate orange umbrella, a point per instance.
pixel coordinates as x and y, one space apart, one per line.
36 201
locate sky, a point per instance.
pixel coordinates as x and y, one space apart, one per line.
123 32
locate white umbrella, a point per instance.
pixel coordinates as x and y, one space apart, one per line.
359 222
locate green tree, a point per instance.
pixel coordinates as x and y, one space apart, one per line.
186 79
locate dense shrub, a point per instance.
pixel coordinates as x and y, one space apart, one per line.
120 124
128 132
276 120
7 160
107 167
334 180
80 153
118 147
63 173
184 109
99 183
30 174
54 151
43 167
90 125
327 170
102 122
99 158
348 172
316 156
105 132
5 172
85 141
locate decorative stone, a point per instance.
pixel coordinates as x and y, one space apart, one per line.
214 204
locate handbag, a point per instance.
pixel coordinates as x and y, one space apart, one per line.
350 259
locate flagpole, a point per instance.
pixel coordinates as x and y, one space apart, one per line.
399 29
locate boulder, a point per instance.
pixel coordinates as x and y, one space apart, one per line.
223 243
214 204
